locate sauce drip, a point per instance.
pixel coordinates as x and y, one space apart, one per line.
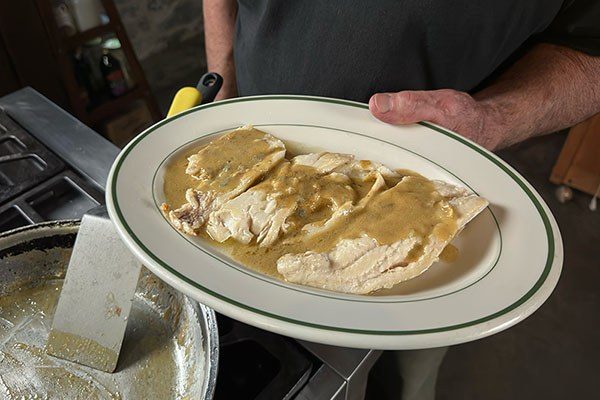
449 254
149 364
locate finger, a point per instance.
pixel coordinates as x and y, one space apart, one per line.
405 107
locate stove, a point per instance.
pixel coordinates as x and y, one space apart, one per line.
54 167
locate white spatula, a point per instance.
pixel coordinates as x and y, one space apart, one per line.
94 304
95 301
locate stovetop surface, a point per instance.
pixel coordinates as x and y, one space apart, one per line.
255 364
35 184
24 162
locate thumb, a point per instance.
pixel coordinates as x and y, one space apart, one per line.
404 107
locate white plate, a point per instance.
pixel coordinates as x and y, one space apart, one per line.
511 254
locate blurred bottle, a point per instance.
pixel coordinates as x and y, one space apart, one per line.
113 74
113 45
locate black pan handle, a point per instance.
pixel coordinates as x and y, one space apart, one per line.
209 85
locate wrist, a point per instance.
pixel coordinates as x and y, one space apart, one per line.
495 124
508 118
228 90
227 71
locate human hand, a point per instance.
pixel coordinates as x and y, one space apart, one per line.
454 110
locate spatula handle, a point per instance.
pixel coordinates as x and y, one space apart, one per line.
209 85
205 92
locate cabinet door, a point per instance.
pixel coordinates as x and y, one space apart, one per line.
578 165
8 79
27 45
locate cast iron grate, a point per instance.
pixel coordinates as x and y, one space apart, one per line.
24 162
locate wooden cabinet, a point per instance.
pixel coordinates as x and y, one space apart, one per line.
26 45
34 52
8 79
578 165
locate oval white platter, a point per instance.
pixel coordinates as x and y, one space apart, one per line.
510 255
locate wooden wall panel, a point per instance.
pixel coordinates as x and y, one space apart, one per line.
578 164
8 78
28 46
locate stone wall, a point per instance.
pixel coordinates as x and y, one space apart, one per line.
154 25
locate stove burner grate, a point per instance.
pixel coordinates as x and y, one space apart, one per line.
24 162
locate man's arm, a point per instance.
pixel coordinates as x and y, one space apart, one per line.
219 28
550 88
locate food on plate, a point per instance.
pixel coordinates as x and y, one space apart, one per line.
299 194
394 237
321 219
223 170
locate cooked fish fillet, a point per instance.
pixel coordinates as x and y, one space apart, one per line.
313 229
191 216
361 265
264 211
358 170
345 164
365 226
249 155
252 214
236 159
287 198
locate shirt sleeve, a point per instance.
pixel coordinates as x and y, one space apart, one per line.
577 26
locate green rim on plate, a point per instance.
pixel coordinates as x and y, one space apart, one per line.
478 149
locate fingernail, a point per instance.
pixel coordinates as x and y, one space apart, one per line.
383 102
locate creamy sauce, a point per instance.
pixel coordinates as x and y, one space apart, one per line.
231 164
449 254
147 364
313 196
177 181
231 160
25 368
412 206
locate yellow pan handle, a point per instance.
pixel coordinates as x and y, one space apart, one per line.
185 98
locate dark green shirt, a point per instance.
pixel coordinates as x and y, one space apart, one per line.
352 49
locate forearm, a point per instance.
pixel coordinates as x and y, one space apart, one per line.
549 89
219 29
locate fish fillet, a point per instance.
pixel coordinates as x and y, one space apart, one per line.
346 164
224 168
264 211
361 265
364 226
